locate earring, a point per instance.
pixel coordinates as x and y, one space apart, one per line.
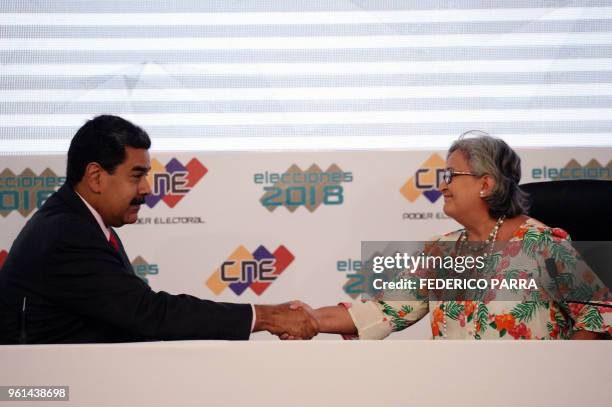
482 194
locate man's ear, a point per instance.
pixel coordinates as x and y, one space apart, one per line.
94 177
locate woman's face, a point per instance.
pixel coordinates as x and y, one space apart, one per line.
462 195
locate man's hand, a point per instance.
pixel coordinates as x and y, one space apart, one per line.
299 305
282 319
334 320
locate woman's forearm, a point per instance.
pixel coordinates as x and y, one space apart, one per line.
586 335
335 320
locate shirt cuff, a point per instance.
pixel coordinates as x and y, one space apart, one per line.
254 319
348 337
370 321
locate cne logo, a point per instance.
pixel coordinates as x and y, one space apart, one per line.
310 188
426 180
256 270
143 269
3 256
170 183
27 191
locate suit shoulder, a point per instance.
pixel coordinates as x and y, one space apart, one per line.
61 224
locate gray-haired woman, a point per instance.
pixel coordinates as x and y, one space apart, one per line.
481 192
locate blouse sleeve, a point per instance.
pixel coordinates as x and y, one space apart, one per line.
377 319
575 283
592 318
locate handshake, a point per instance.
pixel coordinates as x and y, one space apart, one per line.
293 320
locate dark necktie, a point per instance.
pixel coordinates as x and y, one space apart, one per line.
113 241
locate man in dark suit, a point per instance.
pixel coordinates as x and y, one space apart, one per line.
67 278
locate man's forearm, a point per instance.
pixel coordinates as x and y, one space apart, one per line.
264 317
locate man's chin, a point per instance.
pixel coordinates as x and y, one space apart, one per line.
130 217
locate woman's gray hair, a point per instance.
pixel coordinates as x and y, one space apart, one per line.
492 156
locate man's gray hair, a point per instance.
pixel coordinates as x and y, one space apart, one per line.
492 156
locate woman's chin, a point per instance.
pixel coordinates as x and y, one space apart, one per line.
447 209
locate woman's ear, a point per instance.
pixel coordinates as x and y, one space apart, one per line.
487 185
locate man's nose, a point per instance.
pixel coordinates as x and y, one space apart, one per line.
144 187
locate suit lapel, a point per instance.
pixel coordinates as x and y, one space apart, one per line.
124 258
67 194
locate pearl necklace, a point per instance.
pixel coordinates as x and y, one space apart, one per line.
490 241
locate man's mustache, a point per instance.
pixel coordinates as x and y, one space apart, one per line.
137 201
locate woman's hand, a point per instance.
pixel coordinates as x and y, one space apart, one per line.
335 319
295 305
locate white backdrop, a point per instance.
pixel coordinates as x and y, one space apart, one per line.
225 212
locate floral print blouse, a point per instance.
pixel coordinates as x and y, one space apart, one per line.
495 319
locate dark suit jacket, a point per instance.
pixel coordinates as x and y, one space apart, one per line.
80 289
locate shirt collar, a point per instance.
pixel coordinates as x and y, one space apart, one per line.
96 215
